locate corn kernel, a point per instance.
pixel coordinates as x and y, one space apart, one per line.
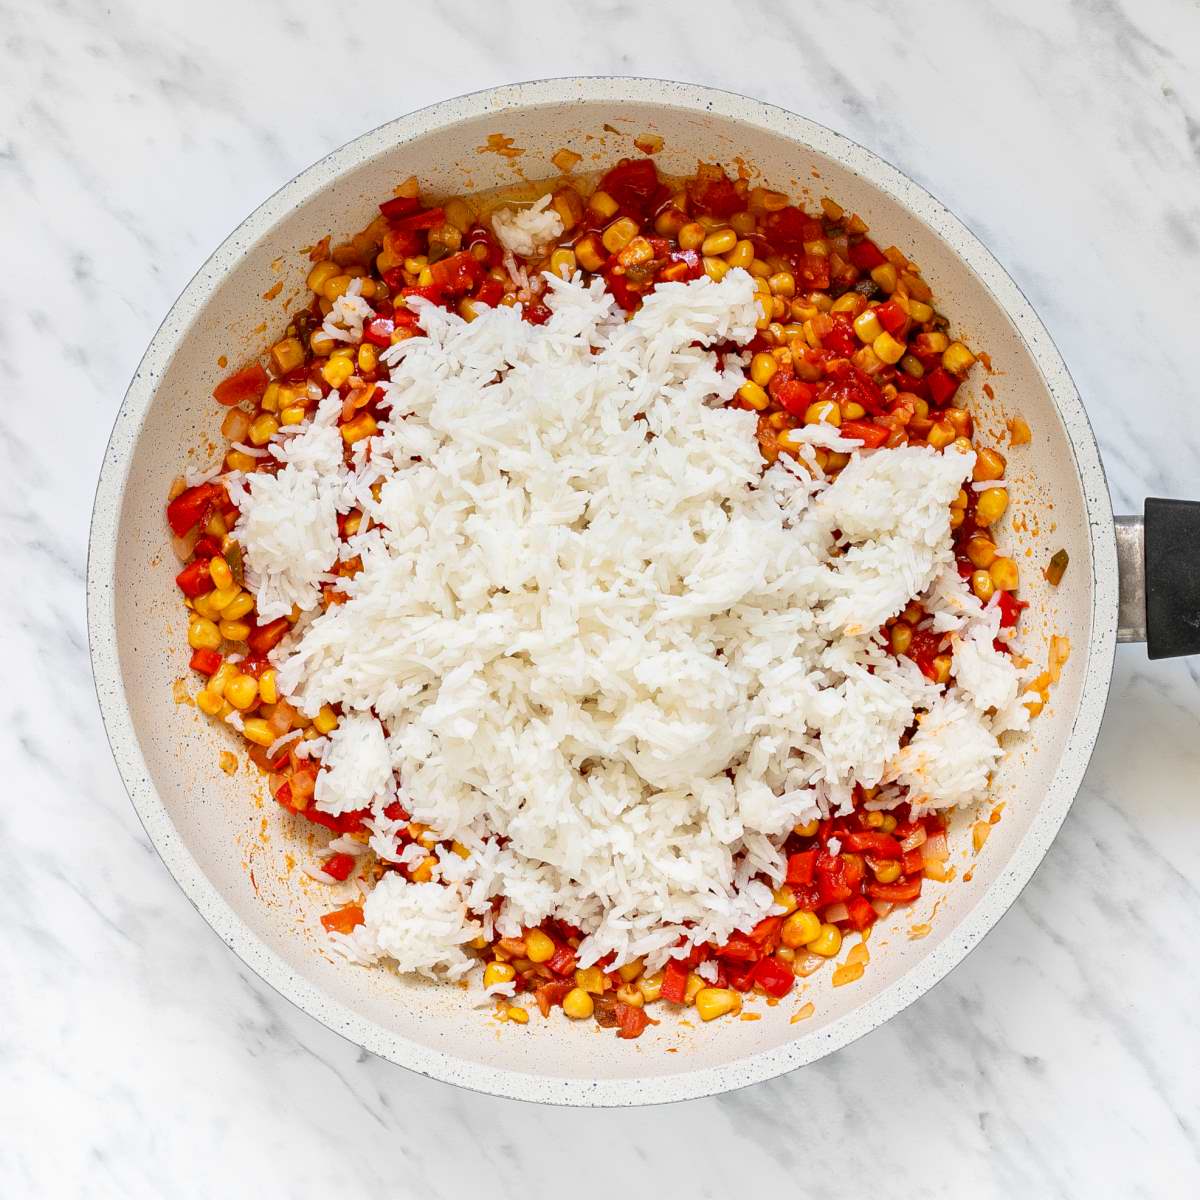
885 277
900 636
234 631
887 348
203 634
287 355
539 946
942 665
263 428
268 688
808 829
219 571
562 263
981 550
588 253
800 928
715 268
982 585
782 283
208 702
320 275
990 506
852 411
518 1014
785 898
619 234
717 1002
651 987
292 415
336 371
363 426
957 359
335 286
823 411
988 465
691 236
753 395
631 970
888 872
742 254
326 720
591 979
235 460
720 242
603 205
256 730
695 985
763 368
241 691
940 435
1004 574
367 357
578 1005
631 994
222 598
498 972
867 326
238 607
827 942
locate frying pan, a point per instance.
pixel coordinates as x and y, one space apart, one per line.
229 846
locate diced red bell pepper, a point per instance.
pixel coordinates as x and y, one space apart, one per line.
347 822
186 511
788 227
631 1021
457 274
682 265
800 867
563 961
871 436
942 386
739 948
400 206
206 546
866 256
207 662
860 913
913 862
774 977
633 184
535 312
674 984
194 580
891 316
266 637
793 395
900 892
247 384
1010 609
344 920
841 339
489 292
395 811
378 330
428 219
426 292
339 866
923 649
716 196
740 976
877 845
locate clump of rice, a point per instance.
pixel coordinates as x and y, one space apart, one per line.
594 643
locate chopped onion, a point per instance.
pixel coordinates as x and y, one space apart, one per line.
914 839
236 425
935 849
836 912
882 907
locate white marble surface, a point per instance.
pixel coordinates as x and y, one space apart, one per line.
139 1057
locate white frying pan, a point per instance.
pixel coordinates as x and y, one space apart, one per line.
230 856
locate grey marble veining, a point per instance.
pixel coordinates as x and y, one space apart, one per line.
139 1057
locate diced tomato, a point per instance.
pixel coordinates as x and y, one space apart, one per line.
789 227
682 265
378 331
548 995
841 338
207 662
923 649
860 912
563 962
489 292
899 892
812 271
206 547
913 862
400 206
877 845
247 384
1010 609
717 195
793 396
426 292
348 822
186 511
194 580
633 184
631 1021
891 316
942 386
871 436
457 274
866 256
774 977
395 811
344 920
339 866
535 312
674 985
800 867
266 637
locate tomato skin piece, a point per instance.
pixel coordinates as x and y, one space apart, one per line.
564 961
860 912
247 384
800 867
339 866
194 580
344 920
877 845
633 184
631 1021
674 985
774 977
871 436
266 637
900 892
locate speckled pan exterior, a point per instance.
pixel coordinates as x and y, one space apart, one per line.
230 856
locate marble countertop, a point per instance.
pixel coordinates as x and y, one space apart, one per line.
139 1057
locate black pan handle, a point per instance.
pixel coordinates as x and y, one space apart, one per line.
1160 580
